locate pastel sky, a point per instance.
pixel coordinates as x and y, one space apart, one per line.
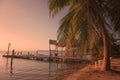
27 25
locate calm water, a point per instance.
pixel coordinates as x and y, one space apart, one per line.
23 69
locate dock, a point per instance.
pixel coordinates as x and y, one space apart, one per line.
47 58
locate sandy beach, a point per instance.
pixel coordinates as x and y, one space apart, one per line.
91 73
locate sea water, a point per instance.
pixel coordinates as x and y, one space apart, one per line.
23 69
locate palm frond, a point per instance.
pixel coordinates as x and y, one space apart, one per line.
56 5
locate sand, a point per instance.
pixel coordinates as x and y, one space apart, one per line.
91 73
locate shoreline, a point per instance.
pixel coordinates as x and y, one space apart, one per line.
89 72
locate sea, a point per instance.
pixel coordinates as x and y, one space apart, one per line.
23 69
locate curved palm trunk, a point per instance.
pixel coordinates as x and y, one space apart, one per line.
106 47
106 52
68 46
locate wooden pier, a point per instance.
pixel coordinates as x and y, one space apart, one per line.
47 58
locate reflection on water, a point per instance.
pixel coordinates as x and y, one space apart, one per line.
23 69
11 67
6 63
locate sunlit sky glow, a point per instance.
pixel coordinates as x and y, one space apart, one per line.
27 24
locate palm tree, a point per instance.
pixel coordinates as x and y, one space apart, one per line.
88 18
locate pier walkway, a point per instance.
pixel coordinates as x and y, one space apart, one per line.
47 58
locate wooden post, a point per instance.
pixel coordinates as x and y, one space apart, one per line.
100 63
8 48
96 64
57 48
13 52
56 51
61 51
49 50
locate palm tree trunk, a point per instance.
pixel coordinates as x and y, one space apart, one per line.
106 52
106 46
